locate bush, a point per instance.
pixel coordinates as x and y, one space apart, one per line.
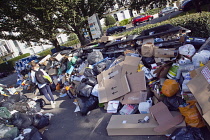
45 52
198 23
9 65
109 20
72 37
124 22
71 43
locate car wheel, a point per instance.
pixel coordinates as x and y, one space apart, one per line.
150 18
137 24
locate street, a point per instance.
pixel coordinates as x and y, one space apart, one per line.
66 124
155 20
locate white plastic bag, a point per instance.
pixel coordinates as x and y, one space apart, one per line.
201 57
187 50
95 91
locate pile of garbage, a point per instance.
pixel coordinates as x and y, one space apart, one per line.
153 82
20 116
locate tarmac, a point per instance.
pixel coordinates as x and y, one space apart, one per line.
68 125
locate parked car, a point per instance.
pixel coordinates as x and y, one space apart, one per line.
137 20
115 29
186 5
167 10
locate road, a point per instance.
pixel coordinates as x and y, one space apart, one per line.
155 20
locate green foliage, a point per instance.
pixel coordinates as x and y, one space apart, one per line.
9 65
45 52
199 24
72 37
71 43
153 11
109 20
124 22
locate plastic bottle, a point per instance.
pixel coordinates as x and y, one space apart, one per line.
144 106
173 71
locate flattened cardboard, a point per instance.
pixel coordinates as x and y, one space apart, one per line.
137 81
134 97
131 60
164 118
164 52
199 87
129 69
128 125
130 64
113 88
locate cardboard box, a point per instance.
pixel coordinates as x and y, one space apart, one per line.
58 57
200 88
164 52
164 117
147 50
128 125
134 97
157 60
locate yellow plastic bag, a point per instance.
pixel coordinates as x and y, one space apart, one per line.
192 115
170 87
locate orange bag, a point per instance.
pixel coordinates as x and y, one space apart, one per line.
192 115
58 86
170 87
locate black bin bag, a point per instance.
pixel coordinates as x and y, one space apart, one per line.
87 104
92 81
94 57
187 133
40 121
84 90
173 102
21 120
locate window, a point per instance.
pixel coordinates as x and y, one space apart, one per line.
115 16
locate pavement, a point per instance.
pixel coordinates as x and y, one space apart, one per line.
66 124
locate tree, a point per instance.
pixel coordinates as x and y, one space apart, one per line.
75 13
38 20
109 20
29 21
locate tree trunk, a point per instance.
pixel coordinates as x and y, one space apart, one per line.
80 36
56 45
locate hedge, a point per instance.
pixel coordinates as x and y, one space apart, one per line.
9 65
198 23
71 43
125 21
45 52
